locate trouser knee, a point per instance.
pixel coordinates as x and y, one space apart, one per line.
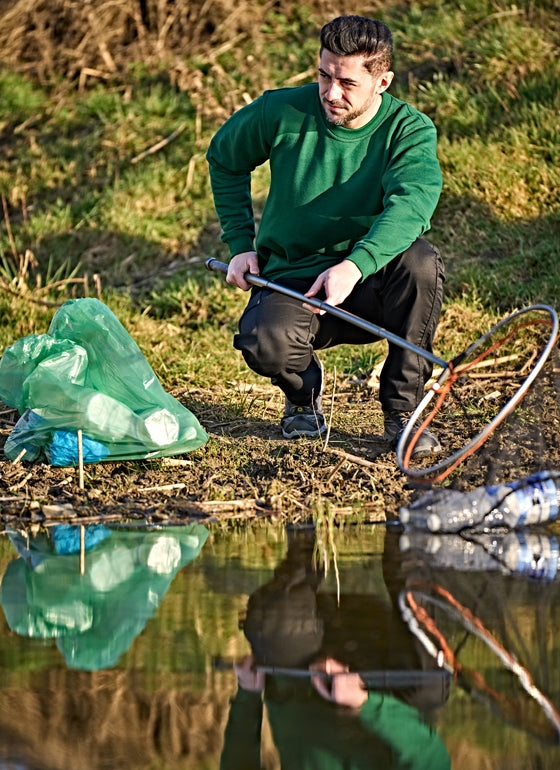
261 351
275 335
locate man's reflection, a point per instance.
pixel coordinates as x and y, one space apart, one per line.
331 718
94 616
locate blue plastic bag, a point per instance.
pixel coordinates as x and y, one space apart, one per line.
88 374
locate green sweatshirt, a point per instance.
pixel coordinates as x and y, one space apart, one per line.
311 734
365 194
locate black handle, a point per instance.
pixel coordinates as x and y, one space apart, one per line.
216 265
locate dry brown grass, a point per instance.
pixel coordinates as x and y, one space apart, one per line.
67 37
100 719
70 42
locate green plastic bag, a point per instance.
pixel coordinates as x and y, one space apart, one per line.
88 374
94 616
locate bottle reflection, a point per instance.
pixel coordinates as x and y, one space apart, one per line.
483 603
94 616
323 709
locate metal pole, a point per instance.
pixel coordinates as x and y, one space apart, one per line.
343 315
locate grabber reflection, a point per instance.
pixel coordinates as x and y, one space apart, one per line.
486 597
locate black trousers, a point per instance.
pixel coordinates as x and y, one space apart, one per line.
278 337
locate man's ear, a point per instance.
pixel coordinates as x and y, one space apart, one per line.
384 81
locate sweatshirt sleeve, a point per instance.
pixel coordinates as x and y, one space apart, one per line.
412 183
415 745
236 149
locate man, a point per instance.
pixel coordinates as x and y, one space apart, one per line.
354 181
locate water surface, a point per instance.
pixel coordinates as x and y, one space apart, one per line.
123 656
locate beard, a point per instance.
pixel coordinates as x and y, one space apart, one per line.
345 118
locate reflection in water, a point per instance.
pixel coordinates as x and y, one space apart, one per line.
454 604
331 721
94 616
328 672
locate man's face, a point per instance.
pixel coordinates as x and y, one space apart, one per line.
350 95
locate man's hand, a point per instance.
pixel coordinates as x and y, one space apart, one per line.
338 282
346 689
246 262
247 677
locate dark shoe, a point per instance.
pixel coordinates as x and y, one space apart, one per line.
395 423
303 420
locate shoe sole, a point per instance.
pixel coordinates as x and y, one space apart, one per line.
310 433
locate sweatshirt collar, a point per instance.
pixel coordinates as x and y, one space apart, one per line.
353 134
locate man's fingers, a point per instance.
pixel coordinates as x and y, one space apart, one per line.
320 685
246 262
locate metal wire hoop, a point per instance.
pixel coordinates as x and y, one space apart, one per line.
425 629
441 470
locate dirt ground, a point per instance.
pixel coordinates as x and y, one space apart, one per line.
247 470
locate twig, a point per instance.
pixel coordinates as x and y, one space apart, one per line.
311 72
352 458
97 282
331 412
8 226
21 483
218 51
512 12
57 284
220 507
101 44
190 171
162 488
28 297
16 460
159 145
89 71
336 468
170 461
510 374
80 459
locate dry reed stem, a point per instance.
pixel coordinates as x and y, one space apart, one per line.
80 459
160 145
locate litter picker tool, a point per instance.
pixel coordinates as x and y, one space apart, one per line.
382 679
518 338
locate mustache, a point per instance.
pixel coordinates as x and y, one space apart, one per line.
333 103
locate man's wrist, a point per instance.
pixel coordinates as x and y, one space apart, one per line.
363 261
358 273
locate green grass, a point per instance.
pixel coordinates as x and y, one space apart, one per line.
79 198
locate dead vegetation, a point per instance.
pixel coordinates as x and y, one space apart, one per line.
106 715
69 39
73 42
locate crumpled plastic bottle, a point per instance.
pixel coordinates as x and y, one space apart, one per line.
533 500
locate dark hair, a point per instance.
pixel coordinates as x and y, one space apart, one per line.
358 35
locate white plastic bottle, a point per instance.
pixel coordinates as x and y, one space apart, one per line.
533 500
